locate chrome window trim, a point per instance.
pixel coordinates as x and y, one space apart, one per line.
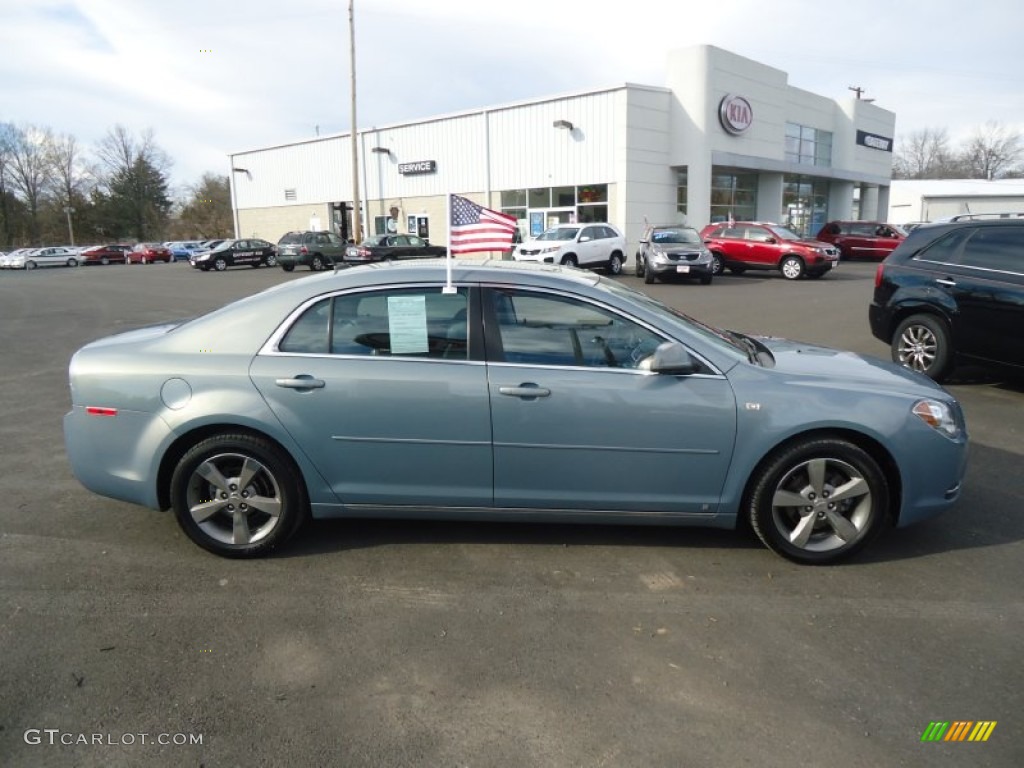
921 260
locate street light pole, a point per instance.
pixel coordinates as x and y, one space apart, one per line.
356 224
71 232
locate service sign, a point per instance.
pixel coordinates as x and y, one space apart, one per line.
874 141
420 166
735 114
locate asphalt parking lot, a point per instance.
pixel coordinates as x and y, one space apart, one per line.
435 644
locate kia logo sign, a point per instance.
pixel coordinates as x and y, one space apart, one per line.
735 114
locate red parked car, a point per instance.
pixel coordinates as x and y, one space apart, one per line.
104 254
744 245
872 240
148 253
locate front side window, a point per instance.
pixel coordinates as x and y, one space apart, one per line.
544 329
1001 250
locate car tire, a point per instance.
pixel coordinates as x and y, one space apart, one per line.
104 261
792 267
72 262
717 264
615 264
818 501
127 260
145 260
316 264
640 266
570 261
737 270
705 279
649 277
287 267
271 261
213 487
922 343
220 264
30 265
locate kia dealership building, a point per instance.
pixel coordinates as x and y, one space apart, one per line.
725 136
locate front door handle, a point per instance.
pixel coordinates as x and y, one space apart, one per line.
525 391
301 382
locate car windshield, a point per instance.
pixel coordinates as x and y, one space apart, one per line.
560 233
785 234
224 246
376 240
688 236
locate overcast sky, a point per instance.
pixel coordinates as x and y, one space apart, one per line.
212 77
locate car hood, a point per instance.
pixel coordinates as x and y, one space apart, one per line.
803 359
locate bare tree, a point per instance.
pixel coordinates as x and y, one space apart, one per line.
925 154
993 151
135 182
7 133
29 172
67 174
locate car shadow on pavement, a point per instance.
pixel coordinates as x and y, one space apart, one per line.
970 375
325 536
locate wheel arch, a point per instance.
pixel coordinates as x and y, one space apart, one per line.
868 444
906 309
183 443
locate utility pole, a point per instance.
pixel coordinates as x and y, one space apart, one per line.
356 224
71 232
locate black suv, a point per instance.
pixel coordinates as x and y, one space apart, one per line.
953 291
316 250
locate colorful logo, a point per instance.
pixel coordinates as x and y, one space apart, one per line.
959 730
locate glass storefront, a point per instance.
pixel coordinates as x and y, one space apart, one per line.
733 194
804 204
543 207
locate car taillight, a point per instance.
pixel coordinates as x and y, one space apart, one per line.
303 250
879 275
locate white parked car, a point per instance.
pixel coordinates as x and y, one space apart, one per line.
56 256
595 245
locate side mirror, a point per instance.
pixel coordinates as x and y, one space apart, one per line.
672 359
585 239
771 240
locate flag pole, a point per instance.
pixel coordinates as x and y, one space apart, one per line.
448 287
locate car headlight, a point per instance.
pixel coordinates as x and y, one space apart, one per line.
551 249
938 416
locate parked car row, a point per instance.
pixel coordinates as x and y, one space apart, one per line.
31 258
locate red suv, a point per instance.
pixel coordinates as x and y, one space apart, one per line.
862 239
744 245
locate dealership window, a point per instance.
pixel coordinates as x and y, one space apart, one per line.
804 204
589 202
808 146
682 179
733 194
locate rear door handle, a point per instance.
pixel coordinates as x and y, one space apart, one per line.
300 382
945 281
526 391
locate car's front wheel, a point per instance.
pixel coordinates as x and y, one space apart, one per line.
615 264
717 264
569 261
238 495
649 277
921 342
287 267
792 267
818 501
271 260
72 262
220 264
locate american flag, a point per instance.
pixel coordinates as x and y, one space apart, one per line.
475 228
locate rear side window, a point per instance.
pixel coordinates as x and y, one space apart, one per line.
996 248
947 249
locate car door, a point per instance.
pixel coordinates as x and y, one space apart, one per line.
382 391
988 286
579 425
242 252
588 245
764 249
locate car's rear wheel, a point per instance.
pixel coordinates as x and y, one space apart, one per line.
287 267
921 342
615 264
238 495
792 267
316 263
220 264
818 501
570 261
30 265
717 265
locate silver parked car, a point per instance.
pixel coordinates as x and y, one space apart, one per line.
524 393
55 256
673 251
